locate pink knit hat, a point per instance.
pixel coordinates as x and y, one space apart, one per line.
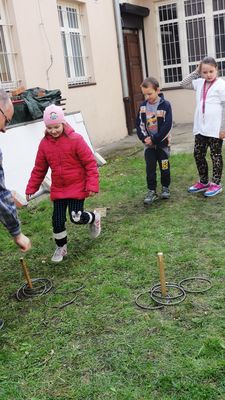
53 115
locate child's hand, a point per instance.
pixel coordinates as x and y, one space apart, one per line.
28 196
222 135
148 140
198 69
91 194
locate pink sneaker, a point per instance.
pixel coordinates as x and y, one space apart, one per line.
198 187
213 190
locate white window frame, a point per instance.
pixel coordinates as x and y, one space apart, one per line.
7 55
84 76
220 59
181 19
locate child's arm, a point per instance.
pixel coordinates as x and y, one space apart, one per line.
38 173
140 125
186 83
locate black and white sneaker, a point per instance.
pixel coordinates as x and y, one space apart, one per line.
165 194
150 197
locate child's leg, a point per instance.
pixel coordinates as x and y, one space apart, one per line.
217 160
58 222
59 229
164 165
151 163
200 150
82 217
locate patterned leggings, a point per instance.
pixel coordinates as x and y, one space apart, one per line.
59 217
201 145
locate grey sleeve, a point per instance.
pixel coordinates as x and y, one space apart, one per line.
186 83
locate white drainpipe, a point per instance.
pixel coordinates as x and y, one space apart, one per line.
121 48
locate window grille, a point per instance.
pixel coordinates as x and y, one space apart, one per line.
195 31
169 34
219 33
7 56
190 30
74 44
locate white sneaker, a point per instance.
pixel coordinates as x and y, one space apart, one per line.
59 253
95 227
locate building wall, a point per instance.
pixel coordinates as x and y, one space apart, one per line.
178 97
41 63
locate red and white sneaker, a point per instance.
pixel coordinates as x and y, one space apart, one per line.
59 253
95 227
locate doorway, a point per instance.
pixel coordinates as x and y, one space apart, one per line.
134 71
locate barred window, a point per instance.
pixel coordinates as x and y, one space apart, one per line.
186 38
7 56
219 33
71 20
196 31
170 43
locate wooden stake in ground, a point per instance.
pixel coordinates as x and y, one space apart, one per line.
26 273
162 274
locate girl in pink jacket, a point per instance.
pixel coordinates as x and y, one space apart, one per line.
74 176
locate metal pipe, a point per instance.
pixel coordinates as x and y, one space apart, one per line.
121 48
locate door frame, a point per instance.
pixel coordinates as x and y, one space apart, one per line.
132 19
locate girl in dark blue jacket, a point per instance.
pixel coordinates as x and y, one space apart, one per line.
153 123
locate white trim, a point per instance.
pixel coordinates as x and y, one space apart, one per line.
141 42
60 235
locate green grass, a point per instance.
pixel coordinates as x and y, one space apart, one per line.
103 347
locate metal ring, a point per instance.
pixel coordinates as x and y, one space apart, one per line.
25 292
168 300
195 278
145 307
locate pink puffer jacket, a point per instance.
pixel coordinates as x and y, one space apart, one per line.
74 171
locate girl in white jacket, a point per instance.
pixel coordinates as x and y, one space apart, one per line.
209 124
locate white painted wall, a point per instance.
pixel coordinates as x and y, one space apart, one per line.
38 40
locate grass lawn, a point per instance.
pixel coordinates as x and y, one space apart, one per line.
103 346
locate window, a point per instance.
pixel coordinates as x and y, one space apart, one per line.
219 32
170 43
74 41
7 56
185 37
195 31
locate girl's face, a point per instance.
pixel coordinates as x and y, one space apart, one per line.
150 94
55 130
208 72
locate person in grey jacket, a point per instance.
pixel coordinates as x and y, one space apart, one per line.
8 213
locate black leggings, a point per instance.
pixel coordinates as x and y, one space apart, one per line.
201 145
59 217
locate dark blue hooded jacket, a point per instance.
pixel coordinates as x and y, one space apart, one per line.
164 122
